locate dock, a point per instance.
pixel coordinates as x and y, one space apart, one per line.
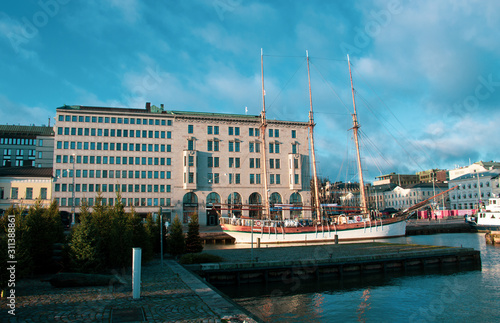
245 266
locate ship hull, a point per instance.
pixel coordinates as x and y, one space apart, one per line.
347 232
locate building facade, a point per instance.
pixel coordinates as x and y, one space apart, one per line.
26 146
182 162
474 188
22 186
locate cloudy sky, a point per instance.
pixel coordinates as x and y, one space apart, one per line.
426 73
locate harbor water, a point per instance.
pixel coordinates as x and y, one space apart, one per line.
437 296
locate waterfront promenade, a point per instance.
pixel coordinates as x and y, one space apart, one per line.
169 294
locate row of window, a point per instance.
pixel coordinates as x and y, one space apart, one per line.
122 188
18 163
464 186
19 152
98 173
235 131
214 178
114 160
470 195
14 193
100 132
118 146
119 120
111 201
20 141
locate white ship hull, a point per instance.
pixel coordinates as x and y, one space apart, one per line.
363 231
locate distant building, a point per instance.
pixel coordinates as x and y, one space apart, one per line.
26 146
398 179
473 188
404 197
181 162
437 175
24 185
477 167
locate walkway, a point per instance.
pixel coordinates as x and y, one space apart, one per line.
169 294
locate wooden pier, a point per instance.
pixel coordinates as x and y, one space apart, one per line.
316 261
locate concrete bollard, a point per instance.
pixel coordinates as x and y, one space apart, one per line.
258 242
336 239
136 273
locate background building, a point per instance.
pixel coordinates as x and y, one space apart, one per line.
181 162
474 188
26 146
24 185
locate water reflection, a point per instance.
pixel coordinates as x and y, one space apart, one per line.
447 296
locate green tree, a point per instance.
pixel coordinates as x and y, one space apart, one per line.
193 239
176 240
86 245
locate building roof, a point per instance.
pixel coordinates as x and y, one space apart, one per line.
489 164
491 174
25 172
427 185
174 113
18 130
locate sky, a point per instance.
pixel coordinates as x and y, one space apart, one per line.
426 73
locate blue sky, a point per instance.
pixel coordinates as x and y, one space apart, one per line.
426 73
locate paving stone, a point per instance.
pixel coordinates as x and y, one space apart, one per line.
169 293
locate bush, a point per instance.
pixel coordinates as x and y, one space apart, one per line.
193 239
199 258
176 240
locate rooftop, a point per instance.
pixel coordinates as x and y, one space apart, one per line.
18 130
25 172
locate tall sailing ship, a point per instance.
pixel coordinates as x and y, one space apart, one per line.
352 224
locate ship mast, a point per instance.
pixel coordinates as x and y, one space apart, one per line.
263 127
313 155
355 128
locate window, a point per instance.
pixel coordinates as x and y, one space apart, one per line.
29 193
190 144
294 148
231 131
231 146
294 134
251 147
210 145
276 133
209 130
190 128
14 193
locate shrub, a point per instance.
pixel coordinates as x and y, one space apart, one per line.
193 239
175 240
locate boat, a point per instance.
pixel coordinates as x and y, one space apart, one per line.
357 223
487 218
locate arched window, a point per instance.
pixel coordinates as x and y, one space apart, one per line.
255 201
234 203
189 206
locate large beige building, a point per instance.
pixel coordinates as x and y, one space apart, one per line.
183 162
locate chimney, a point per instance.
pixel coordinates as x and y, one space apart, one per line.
148 106
161 105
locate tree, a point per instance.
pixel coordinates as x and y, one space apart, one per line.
193 240
86 251
175 240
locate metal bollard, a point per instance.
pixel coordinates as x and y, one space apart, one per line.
136 273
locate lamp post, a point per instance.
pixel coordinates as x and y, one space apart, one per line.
73 194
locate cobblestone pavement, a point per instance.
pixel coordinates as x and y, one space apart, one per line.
168 294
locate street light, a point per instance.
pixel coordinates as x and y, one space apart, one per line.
73 194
